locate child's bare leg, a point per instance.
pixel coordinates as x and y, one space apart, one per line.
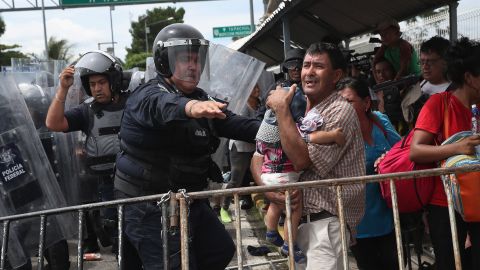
272 217
271 221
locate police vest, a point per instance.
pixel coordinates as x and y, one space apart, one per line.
102 144
179 158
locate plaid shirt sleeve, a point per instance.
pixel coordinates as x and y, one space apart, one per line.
333 161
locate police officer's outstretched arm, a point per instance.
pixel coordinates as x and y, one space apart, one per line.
205 109
56 120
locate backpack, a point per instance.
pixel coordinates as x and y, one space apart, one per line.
464 187
415 193
412 194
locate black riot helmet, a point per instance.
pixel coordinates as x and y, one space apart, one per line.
173 43
100 63
293 59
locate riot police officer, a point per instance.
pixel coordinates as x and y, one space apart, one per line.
168 132
99 118
291 68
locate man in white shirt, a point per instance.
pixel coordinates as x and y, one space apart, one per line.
433 65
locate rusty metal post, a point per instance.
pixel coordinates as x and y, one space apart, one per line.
41 242
81 216
343 227
184 233
453 227
165 233
288 221
238 231
120 236
5 232
396 221
173 211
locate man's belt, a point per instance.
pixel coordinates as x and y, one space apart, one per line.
316 216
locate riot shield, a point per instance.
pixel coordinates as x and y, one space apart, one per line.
137 78
232 78
38 99
266 80
150 71
27 182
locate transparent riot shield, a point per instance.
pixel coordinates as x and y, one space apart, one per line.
150 71
266 80
37 83
38 99
27 182
137 78
232 78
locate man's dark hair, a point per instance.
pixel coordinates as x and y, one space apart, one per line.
462 57
334 54
436 44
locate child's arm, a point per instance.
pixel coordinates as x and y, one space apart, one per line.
405 58
327 137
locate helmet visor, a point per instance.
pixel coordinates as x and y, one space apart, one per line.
97 62
188 59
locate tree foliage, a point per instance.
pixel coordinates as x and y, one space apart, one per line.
155 19
6 51
137 60
59 49
2 26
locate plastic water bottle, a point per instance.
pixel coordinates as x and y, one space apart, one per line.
475 127
475 116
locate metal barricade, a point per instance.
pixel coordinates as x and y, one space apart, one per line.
183 198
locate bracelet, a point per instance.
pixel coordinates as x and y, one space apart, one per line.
191 106
59 100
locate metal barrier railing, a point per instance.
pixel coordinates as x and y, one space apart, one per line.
183 198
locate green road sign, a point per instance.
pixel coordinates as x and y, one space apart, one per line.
106 2
232 31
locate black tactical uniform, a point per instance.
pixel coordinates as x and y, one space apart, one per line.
162 150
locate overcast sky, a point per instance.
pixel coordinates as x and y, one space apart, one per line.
86 27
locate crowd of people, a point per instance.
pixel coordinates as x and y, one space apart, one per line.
318 122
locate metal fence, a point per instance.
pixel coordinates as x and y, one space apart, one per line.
438 25
182 198
468 24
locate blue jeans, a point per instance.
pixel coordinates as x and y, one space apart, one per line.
211 247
